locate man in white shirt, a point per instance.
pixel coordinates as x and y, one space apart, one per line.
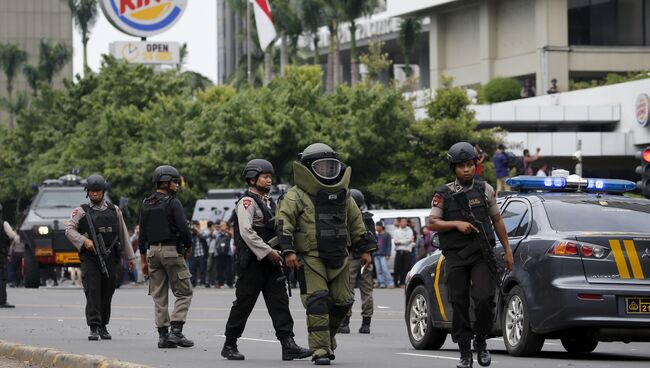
404 243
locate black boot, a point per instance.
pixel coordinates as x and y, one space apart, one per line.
103 333
321 361
482 354
465 355
345 325
230 351
365 326
93 335
163 339
291 351
176 335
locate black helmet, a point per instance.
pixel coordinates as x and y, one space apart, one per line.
96 182
461 152
165 173
358 197
323 161
255 167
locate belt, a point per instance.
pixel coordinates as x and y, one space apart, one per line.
161 245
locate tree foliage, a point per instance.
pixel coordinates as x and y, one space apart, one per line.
501 89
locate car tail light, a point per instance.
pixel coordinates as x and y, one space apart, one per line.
568 248
590 296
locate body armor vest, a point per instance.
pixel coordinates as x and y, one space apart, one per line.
266 232
156 221
452 211
331 226
105 223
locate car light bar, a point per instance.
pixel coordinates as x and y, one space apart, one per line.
572 183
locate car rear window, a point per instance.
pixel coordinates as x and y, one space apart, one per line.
64 198
598 216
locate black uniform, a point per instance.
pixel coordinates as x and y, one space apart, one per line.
4 251
257 276
467 270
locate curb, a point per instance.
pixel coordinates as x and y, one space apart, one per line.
52 358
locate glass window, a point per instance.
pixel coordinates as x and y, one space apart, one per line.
512 216
614 216
523 225
64 198
609 22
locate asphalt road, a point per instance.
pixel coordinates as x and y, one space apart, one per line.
54 317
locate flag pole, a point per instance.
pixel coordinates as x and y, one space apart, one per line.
248 42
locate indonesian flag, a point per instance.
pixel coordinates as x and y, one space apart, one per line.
264 21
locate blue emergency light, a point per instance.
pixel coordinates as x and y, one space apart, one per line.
550 183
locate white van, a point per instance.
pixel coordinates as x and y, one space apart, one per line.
419 217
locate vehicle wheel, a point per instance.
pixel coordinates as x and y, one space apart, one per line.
576 343
517 335
420 325
32 271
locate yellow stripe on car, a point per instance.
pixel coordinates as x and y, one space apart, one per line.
437 289
637 271
621 264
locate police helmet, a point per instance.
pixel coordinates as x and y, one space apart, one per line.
165 173
357 195
323 161
256 167
461 152
96 182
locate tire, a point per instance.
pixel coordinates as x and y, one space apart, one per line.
419 327
518 336
32 269
580 343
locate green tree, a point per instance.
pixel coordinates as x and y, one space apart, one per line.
11 59
501 89
84 13
33 76
409 30
412 175
288 23
313 17
375 60
52 58
353 9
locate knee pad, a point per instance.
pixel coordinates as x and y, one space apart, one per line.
341 310
319 302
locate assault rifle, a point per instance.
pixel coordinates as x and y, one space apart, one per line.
100 247
483 244
273 243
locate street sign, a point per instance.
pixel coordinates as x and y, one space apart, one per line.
147 52
143 18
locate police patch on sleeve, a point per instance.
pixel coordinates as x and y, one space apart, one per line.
246 202
436 200
74 213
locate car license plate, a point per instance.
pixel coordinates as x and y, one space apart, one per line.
637 305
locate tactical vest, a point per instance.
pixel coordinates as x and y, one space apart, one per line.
452 211
156 214
266 232
105 224
331 226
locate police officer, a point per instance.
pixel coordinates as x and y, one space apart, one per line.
4 252
259 265
165 244
465 269
363 280
108 223
317 223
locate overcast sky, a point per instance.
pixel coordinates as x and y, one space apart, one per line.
197 27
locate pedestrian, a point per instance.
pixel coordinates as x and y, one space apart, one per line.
404 245
260 266
466 267
211 269
4 251
543 170
198 260
16 252
527 90
318 224
382 255
90 225
423 246
528 161
165 245
361 276
553 88
224 256
501 168
479 163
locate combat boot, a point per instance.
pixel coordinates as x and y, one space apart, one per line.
345 325
176 336
365 326
482 354
465 355
291 351
93 335
103 333
163 339
321 361
230 350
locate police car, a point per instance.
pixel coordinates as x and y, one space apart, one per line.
581 271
